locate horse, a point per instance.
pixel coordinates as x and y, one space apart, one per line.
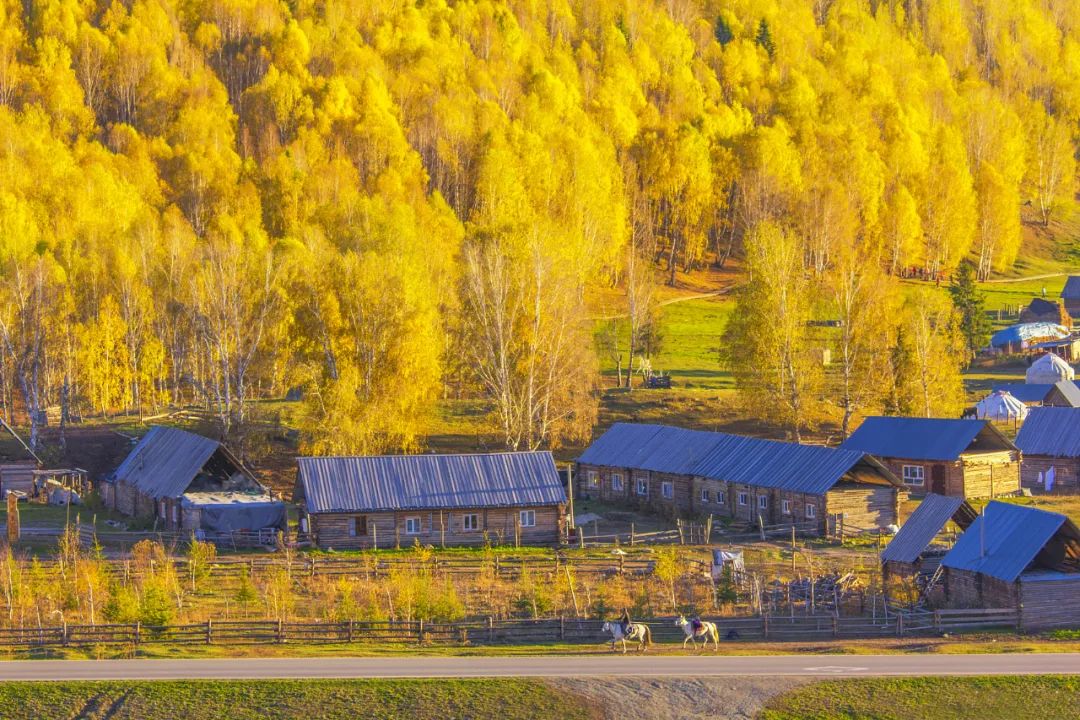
700 629
637 631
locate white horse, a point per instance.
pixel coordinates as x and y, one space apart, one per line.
638 631
703 631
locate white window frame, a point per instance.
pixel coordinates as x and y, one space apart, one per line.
811 511
617 482
593 478
763 502
667 489
785 506
920 476
744 499
409 524
641 485
721 497
527 518
470 522
705 495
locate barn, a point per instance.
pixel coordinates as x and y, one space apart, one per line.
1050 442
395 500
190 483
1020 557
964 458
912 550
679 471
1021 337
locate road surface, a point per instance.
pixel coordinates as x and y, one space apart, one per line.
542 666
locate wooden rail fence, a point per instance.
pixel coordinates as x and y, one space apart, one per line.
798 628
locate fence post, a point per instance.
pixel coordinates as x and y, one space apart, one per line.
562 627
937 621
491 628
280 630
350 631
765 626
420 632
64 634
138 632
632 539
836 626
900 624
209 632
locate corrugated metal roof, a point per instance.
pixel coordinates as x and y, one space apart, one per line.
165 461
1051 431
721 456
1072 288
1003 540
1025 332
911 438
421 482
921 528
1037 392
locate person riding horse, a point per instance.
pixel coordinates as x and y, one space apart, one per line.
625 622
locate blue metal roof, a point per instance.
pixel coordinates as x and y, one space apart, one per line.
1037 392
1072 288
1051 431
939 439
1026 332
165 461
921 528
1003 540
721 456
430 482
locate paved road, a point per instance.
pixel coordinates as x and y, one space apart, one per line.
541 666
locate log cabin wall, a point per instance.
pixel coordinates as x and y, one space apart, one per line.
1050 603
711 497
386 529
1066 473
989 475
863 506
966 589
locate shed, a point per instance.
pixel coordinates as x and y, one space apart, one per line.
964 458
1020 337
1050 442
1000 405
382 501
167 473
1059 394
1020 557
912 550
1049 369
750 479
1039 310
1070 294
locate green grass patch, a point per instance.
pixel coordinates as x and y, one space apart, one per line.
939 698
506 699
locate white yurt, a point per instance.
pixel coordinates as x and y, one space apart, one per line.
1048 370
1002 406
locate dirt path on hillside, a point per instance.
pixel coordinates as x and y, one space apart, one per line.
669 301
727 698
1029 277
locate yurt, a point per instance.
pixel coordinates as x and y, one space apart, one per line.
1048 370
1002 406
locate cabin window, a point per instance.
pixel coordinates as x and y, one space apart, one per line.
358 527
594 479
914 475
412 526
704 495
667 489
642 486
811 512
785 507
176 514
162 514
616 482
470 522
763 501
720 499
743 498
528 518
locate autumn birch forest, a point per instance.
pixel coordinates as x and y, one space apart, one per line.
379 204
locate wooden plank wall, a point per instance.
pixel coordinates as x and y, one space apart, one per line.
1066 473
1050 603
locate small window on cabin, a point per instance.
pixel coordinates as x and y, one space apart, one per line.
914 475
528 518
704 495
642 486
470 522
743 498
594 478
616 482
720 497
359 526
811 512
412 526
763 501
667 489
785 506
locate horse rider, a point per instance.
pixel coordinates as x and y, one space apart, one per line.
696 625
624 622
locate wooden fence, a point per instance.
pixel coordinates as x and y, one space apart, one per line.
687 533
797 628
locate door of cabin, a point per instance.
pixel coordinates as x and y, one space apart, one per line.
937 479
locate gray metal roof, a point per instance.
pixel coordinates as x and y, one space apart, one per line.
914 438
721 456
1037 392
429 482
1004 540
165 461
921 528
1050 431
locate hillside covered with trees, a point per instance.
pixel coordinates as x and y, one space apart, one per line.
385 202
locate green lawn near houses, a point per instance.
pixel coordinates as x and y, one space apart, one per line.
940 698
477 699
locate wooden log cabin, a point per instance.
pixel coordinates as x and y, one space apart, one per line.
1050 442
688 472
396 500
1020 557
962 458
913 551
